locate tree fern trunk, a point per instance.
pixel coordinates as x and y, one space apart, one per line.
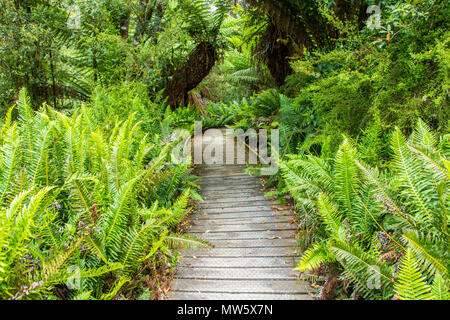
197 66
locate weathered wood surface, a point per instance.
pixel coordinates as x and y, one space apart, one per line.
254 249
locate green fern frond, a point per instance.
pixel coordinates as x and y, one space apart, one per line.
97 272
440 289
364 269
415 185
314 257
115 219
430 251
26 116
136 243
432 164
10 157
115 289
345 174
186 242
423 136
373 177
81 190
178 210
331 217
410 283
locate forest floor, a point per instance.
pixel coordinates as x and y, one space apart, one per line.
253 237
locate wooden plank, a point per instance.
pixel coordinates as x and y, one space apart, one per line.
207 196
241 286
218 187
222 187
237 273
219 166
221 171
239 209
236 179
177 295
221 174
212 167
237 204
237 198
228 185
253 235
242 227
264 243
222 194
227 176
242 252
243 215
253 220
239 262
226 206
226 190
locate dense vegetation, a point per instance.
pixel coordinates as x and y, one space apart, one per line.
87 189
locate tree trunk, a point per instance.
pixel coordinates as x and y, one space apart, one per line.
277 50
191 74
124 27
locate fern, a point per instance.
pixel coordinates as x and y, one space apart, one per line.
346 176
362 269
11 155
411 284
429 250
369 218
413 182
186 242
115 219
314 257
439 289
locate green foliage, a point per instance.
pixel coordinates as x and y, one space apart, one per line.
369 85
411 284
86 194
364 219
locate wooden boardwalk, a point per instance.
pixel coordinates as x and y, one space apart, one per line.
254 243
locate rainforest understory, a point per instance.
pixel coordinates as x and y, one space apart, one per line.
91 205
